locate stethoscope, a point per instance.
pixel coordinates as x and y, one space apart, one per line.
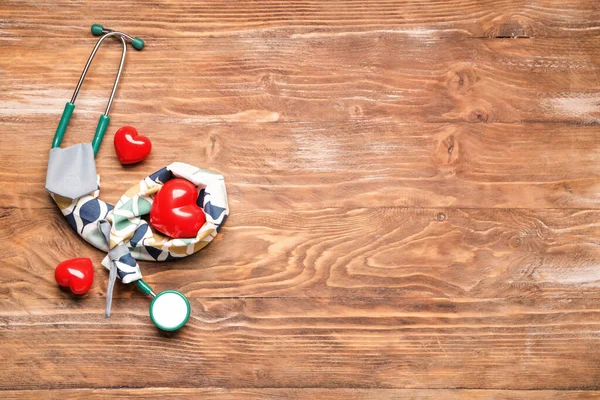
169 309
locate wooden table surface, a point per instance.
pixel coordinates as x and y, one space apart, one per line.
414 193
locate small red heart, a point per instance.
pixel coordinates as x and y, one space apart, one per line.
130 146
76 273
175 212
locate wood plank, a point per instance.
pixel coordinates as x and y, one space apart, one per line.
315 165
178 19
391 252
301 394
414 199
397 78
304 342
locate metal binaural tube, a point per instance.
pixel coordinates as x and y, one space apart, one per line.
89 62
119 71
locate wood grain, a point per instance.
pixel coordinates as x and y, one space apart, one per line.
352 164
302 394
454 253
333 343
396 78
414 199
487 18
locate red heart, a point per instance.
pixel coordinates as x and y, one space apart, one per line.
175 212
76 273
130 146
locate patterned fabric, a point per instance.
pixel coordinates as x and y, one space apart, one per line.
89 217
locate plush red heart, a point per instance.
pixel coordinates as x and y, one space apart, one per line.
130 146
76 273
175 212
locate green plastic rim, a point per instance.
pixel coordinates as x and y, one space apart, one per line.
170 328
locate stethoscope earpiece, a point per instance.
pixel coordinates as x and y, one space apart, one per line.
98 30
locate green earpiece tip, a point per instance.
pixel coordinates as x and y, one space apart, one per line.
137 43
97 29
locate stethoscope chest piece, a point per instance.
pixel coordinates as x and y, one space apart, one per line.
169 310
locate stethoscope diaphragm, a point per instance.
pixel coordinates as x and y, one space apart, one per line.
169 310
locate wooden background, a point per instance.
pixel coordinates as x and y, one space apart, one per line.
414 192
